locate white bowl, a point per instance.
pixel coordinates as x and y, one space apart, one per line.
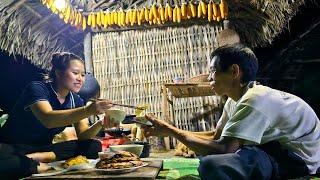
115 115
133 148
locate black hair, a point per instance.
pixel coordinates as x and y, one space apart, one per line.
61 61
238 54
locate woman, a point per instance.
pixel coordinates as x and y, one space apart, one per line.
44 110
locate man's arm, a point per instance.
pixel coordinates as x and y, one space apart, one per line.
205 146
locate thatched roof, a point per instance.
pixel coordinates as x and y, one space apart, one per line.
30 29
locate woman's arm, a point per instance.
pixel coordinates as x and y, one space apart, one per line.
59 118
85 132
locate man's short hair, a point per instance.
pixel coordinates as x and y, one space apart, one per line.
227 37
237 54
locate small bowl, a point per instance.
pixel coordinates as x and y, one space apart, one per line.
117 132
105 155
115 115
133 148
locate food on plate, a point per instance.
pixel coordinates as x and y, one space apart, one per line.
140 109
74 161
120 160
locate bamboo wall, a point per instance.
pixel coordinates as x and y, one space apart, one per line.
132 65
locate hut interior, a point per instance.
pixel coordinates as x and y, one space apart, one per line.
132 60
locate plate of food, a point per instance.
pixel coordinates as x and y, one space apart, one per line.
119 163
75 163
51 172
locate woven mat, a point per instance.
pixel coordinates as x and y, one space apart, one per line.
179 168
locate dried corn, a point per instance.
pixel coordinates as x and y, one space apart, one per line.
111 18
184 9
138 18
98 19
90 19
106 19
193 9
214 9
199 10
224 6
210 11
141 16
174 15
203 8
93 20
170 12
84 23
115 17
127 22
162 13
146 14
178 14
189 13
154 11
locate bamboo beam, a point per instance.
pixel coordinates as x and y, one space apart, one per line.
16 5
87 45
61 31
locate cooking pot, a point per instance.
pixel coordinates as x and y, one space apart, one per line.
90 88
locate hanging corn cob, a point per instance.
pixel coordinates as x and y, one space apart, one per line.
157 14
93 20
199 10
203 8
105 24
178 14
170 12
210 11
162 13
184 9
146 14
223 9
174 14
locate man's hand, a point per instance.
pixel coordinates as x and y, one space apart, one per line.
159 127
183 150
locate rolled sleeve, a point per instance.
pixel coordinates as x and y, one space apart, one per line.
247 123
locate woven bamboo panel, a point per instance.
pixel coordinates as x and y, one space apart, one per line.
131 66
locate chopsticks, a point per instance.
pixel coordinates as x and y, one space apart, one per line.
128 106
123 105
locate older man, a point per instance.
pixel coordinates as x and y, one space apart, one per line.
263 133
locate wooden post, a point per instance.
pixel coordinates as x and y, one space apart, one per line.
166 115
87 46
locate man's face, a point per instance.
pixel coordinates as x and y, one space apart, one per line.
220 82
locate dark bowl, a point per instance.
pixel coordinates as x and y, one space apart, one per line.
117 132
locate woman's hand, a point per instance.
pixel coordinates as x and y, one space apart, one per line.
159 127
99 106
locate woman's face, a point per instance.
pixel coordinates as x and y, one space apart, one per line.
220 82
73 77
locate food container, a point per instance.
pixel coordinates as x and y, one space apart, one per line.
146 148
133 148
115 115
